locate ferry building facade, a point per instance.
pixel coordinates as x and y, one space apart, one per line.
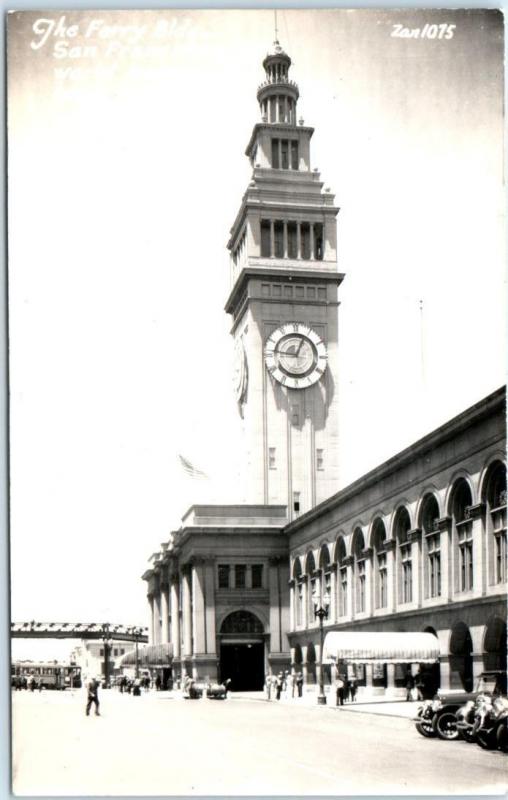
416 545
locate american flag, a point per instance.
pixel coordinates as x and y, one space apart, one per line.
191 470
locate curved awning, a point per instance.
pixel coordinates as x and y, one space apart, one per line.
363 647
154 655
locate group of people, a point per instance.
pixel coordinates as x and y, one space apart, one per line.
284 683
346 689
29 682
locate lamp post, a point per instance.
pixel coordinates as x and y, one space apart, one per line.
107 639
136 632
321 606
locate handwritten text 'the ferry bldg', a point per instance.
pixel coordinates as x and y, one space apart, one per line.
63 37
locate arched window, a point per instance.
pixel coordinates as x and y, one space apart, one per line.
495 497
463 536
380 566
432 545
325 572
313 585
342 577
359 570
402 526
299 593
241 622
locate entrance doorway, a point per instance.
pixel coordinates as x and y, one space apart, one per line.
244 665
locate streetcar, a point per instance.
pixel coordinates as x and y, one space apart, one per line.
48 674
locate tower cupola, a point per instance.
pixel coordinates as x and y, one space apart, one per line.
277 95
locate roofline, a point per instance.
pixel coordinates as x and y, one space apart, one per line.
259 272
448 430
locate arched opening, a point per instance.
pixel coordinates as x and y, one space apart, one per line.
430 673
242 651
402 526
342 577
431 547
462 536
380 564
494 644
311 664
325 573
298 658
312 583
358 550
494 496
299 607
461 658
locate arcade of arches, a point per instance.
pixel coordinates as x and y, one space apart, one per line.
418 544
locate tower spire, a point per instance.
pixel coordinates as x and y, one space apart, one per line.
276 31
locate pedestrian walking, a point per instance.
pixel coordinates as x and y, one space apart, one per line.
158 682
279 683
92 696
268 686
353 686
340 690
299 683
409 687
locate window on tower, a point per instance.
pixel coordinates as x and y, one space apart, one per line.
318 241
319 459
265 239
305 240
294 154
272 464
292 241
284 153
279 239
275 154
296 502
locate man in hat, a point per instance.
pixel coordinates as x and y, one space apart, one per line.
93 696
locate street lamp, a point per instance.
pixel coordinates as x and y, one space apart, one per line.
321 606
107 639
136 632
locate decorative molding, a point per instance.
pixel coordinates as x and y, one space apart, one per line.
348 561
444 523
473 512
414 535
389 544
367 552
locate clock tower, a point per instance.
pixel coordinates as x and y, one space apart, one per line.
284 307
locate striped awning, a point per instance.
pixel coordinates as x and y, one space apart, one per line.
363 647
153 655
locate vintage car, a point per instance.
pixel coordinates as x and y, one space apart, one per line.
215 691
437 717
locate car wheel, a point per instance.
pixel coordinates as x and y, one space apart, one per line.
425 729
445 725
468 735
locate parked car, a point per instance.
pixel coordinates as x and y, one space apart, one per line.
215 691
490 726
437 717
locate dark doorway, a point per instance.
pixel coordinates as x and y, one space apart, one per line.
244 665
461 658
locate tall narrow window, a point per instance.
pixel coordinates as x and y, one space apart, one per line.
343 592
299 603
275 154
360 565
240 573
284 154
305 240
224 576
272 462
318 241
292 242
296 502
257 576
434 557
319 459
407 572
465 540
383 582
279 239
266 244
294 155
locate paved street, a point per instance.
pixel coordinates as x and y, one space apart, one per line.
160 745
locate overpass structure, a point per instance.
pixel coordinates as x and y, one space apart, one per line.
104 631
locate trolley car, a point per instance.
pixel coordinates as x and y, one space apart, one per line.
51 674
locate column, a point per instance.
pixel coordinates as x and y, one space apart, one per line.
277 108
305 671
285 239
312 255
198 608
390 680
305 609
187 615
157 613
151 625
415 536
165 610
477 636
175 616
298 240
369 689
444 658
209 588
276 645
317 649
272 239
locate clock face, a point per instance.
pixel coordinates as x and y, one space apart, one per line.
295 355
240 371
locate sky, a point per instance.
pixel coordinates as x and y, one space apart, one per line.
126 168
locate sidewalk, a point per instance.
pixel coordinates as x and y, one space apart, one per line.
390 708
